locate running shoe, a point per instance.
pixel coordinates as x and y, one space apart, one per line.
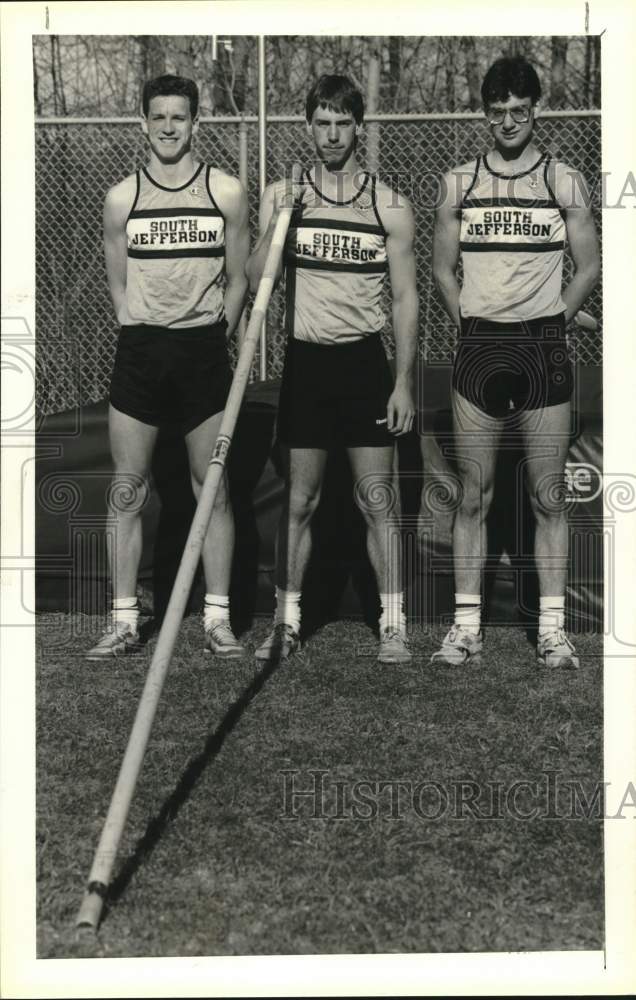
282 642
555 650
459 647
220 641
394 646
119 640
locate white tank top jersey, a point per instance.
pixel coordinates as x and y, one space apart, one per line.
335 257
176 254
511 240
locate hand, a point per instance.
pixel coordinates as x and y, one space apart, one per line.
400 411
585 321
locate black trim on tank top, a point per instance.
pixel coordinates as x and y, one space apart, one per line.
333 201
511 247
473 182
209 190
309 264
182 187
374 202
136 198
549 187
509 203
352 227
510 177
171 213
175 254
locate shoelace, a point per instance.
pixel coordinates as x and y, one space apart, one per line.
221 629
558 638
393 634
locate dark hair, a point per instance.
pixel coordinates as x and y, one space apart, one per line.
168 86
336 92
510 75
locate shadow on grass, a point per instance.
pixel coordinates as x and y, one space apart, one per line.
188 780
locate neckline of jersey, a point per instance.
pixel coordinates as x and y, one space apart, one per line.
523 173
181 186
334 201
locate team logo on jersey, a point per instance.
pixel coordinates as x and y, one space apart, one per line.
364 202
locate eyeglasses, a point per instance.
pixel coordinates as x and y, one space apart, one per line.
519 115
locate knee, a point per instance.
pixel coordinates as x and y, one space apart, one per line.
377 499
302 504
475 498
129 492
221 499
548 498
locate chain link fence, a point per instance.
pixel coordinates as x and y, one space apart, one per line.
78 160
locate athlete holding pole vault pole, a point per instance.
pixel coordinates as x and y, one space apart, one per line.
176 241
120 803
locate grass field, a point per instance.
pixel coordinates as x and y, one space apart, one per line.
219 859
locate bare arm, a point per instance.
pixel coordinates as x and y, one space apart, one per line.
232 201
267 217
276 196
117 205
574 199
446 246
399 223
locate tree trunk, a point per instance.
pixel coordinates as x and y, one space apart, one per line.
373 95
36 88
559 48
395 68
450 74
472 72
596 76
153 56
239 58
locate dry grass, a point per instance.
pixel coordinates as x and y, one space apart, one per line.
210 865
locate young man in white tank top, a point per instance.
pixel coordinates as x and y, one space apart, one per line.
347 230
509 213
176 243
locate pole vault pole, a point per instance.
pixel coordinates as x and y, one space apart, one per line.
99 878
262 173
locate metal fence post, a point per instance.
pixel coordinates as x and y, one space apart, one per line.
244 179
262 173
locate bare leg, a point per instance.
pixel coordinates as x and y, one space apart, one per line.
131 444
218 544
546 436
373 475
305 472
477 437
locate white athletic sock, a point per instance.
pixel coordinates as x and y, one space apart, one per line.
392 614
288 608
216 608
468 612
551 614
126 612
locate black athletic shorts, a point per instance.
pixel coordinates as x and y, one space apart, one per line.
505 368
335 395
163 376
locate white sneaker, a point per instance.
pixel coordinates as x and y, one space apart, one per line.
555 650
282 642
394 646
220 641
119 640
458 648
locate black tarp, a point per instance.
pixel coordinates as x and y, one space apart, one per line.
73 479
